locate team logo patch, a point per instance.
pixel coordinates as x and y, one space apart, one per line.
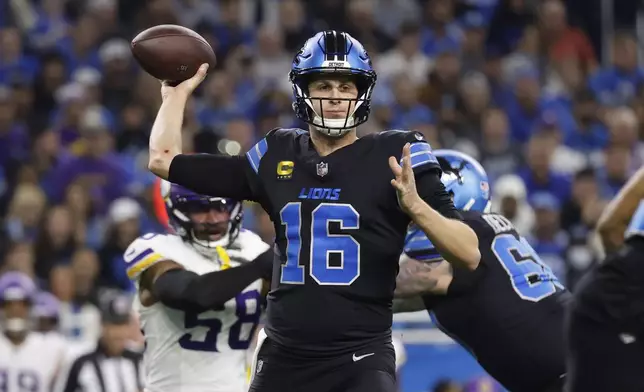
285 170
485 189
322 169
418 136
260 364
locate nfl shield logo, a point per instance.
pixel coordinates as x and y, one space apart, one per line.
322 169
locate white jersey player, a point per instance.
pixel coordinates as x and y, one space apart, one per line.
199 294
29 361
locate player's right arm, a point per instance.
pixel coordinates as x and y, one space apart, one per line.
164 280
195 172
619 212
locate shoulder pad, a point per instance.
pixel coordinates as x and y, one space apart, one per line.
487 225
247 246
282 133
259 150
143 253
403 136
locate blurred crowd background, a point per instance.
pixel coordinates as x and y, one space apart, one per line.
547 94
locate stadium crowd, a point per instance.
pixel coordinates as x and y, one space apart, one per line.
518 84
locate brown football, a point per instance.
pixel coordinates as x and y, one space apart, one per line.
171 53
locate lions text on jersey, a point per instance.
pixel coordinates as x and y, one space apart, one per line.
196 352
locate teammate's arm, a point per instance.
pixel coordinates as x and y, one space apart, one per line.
175 287
192 171
416 277
619 212
453 239
406 305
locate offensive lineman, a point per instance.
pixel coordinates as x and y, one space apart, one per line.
340 226
29 361
605 328
509 312
199 294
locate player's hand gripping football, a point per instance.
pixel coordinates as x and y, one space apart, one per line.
186 87
404 181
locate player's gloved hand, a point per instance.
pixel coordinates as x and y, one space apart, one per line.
404 181
186 87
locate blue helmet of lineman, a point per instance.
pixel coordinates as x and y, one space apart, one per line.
332 53
465 179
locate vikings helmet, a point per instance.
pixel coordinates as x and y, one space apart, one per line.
465 179
181 202
15 287
332 53
46 307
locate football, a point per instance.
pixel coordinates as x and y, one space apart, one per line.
171 53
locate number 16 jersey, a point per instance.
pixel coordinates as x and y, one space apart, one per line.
339 232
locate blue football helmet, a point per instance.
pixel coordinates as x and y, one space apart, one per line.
16 287
465 179
181 202
332 53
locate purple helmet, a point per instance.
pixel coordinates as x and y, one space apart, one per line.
181 202
16 286
46 305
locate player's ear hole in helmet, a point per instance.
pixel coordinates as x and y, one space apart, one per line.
465 180
206 222
338 59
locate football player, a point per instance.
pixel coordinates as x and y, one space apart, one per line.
199 294
29 361
508 312
339 224
46 312
605 330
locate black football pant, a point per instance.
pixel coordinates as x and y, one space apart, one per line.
372 369
601 358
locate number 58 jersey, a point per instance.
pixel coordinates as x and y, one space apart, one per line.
190 352
509 312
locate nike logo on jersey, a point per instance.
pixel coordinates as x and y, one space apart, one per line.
627 338
320 193
356 358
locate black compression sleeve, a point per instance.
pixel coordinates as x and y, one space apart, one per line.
185 290
432 191
213 175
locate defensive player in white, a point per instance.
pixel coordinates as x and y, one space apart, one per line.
29 360
199 294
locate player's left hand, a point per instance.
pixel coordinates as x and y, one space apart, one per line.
404 180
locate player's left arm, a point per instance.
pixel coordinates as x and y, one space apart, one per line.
429 205
408 305
615 218
416 277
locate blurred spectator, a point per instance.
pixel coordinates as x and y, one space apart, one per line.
547 237
405 57
510 198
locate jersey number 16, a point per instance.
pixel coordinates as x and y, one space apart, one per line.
323 244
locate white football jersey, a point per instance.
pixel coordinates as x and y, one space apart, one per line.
31 366
196 352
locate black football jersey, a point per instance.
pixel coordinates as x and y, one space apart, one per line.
509 312
339 233
614 291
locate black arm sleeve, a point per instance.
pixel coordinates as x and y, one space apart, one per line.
185 290
432 191
213 175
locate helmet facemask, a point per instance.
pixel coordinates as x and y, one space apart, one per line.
307 107
193 220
